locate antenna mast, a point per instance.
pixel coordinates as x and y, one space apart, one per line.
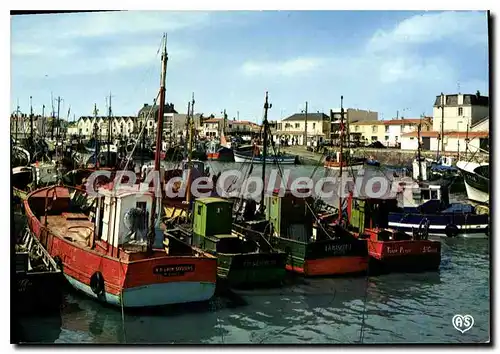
159 131
264 155
341 152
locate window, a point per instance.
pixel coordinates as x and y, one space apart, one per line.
434 194
387 137
411 138
314 125
396 138
387 129
374 138
374 129
460 111
356 129
297 125
230 126
425 194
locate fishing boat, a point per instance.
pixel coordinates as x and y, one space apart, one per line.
477 180
313 248
347 163
240 260
430 201
391 249
38 277
283 159
110 245
219 153
23 178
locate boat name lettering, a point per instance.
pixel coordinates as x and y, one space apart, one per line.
398 250
173 270
338 248
429 249
259 263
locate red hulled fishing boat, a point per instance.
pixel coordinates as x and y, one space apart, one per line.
110 245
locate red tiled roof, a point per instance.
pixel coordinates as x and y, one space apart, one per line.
426 120
451 134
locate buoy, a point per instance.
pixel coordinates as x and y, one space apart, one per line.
451 230
97 283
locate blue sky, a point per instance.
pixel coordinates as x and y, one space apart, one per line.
384 61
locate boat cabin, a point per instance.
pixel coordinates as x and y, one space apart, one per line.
368 213
416 194
291 217
212 228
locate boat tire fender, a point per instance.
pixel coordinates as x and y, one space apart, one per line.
451 230
97 283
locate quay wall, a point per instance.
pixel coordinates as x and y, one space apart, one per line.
394 157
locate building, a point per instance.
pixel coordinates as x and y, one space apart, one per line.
212 127
351 115
294 127
149 115
367 132
123 126
459 111
454 141
461 117
394 128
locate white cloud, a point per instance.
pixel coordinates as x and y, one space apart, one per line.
102 24
119 57
462 27
282 68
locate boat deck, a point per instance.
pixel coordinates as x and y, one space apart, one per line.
73 227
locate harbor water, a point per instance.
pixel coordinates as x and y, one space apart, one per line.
393 308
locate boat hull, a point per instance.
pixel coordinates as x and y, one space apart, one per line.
123 278
476 194
404 256
252 269
444 225
152 295
476 185
336 167
282 160
325 258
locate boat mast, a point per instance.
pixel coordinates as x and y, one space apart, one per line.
58 121
190 124
419 157
186 142
467 140
96 136
52 125
43 121
109 131
159 131
17 119
341 152
31 119
264 155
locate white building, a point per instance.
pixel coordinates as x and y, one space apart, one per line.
318 127
123 126
395 128
453 141
459 111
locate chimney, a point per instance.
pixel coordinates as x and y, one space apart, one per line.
145 104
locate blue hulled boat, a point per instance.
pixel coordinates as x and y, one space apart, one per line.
429 202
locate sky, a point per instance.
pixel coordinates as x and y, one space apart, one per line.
383 61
